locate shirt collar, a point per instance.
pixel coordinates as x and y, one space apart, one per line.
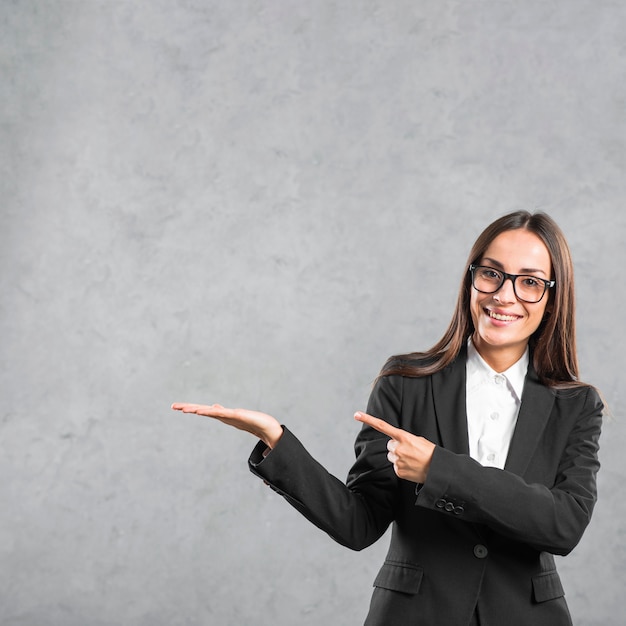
478 369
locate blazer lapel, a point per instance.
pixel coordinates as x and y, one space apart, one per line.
450 405
537 402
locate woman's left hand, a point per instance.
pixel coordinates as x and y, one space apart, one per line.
409 453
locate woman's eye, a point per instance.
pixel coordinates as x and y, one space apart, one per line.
490 274
529 281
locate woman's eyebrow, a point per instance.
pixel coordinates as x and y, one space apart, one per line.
524 270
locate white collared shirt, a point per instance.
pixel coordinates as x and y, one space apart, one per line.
493 400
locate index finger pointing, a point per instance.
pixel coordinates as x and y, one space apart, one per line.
380 425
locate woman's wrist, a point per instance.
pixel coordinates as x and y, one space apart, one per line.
273 435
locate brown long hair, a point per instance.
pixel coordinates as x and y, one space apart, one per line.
552 345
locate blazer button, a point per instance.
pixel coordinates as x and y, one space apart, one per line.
480 552
440 503
449 507
458 510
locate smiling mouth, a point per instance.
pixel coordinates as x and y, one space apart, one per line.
502 318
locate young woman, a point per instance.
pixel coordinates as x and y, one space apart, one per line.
481 452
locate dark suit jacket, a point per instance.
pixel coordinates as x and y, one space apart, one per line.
470 534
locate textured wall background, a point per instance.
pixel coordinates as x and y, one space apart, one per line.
256 202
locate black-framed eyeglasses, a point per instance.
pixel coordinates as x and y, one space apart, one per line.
527 288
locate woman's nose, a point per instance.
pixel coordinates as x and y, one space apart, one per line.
506 293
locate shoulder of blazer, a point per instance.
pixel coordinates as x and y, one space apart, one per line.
418 359
581 392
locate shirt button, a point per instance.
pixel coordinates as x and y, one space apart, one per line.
491 457
498 379
495 415
480 552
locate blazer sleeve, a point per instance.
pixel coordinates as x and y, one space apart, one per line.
355 513
551 517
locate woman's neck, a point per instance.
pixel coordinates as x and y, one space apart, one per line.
499 358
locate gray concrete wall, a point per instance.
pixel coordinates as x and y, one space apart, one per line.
255 203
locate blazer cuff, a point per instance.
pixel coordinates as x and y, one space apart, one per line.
435 493
267 465
259 454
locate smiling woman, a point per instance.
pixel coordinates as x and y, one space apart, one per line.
553 343
503 321
481 452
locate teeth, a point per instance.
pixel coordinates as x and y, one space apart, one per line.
502 318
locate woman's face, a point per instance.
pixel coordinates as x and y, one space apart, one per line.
503 324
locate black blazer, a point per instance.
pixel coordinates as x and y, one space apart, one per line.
470 534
